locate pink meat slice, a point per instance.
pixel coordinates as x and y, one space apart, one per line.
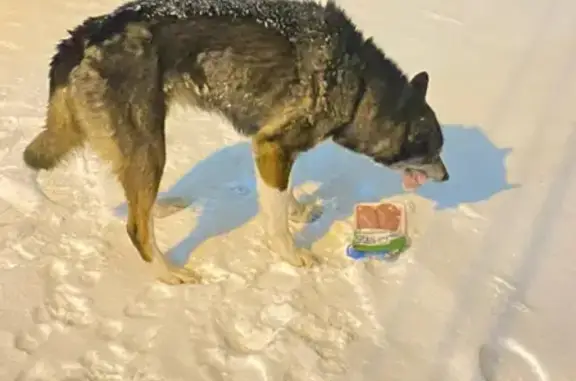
366 217
412 179
384 216
389 217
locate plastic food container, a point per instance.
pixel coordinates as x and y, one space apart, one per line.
379 230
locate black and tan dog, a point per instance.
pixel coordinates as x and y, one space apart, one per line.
287 74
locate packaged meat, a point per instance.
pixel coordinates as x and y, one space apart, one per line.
380 230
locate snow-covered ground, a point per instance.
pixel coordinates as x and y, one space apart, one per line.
485 294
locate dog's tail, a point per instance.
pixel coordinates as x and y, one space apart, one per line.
59 137
61 133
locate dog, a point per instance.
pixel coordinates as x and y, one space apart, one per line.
287 74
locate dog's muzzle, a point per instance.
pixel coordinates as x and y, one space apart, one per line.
435 170
416 172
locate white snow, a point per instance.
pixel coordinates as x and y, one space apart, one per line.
485 294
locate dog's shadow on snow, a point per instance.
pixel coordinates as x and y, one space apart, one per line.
223 185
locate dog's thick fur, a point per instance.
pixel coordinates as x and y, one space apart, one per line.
288 74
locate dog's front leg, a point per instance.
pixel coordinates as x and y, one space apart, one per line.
303 212
273 166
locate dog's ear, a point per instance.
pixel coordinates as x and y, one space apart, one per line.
420 84
414 95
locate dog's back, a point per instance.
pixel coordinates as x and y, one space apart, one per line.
235 57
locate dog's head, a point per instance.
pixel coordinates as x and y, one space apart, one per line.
398 130
421 140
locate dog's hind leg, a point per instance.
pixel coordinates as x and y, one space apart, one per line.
140 176
120 103
60 135
137 153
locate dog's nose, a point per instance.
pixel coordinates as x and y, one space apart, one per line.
437 171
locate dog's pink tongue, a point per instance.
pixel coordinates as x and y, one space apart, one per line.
412 179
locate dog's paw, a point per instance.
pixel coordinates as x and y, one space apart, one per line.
305 212
168 206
